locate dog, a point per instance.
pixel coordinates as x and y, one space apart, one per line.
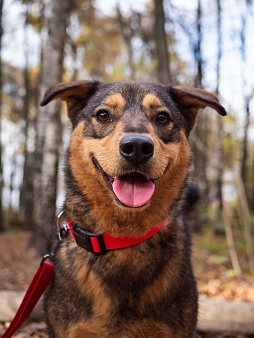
126 172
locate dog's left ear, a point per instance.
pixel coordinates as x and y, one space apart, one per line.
76 94
190 100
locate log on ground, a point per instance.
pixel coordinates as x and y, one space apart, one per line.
221 315
214 315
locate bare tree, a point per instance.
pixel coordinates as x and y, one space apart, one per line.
245 155
49 129
252 179
127 33
219 144
245 219
1 96
198 51
161 43
26 193
248 95
200 160
230 240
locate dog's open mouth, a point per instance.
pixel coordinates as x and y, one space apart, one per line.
133 190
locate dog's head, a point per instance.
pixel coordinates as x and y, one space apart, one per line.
129 150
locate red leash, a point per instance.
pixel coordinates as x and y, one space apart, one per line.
97 244
36 288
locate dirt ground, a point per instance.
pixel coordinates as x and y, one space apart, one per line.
18 266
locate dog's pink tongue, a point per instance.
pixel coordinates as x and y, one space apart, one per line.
133 190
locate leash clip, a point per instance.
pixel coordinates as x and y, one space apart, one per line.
50 256
62 228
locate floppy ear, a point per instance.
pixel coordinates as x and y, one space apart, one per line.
190 100
76 94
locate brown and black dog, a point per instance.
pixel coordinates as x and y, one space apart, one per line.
126 172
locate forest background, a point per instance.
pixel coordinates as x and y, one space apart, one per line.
203 43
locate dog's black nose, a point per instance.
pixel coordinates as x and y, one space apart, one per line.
136 149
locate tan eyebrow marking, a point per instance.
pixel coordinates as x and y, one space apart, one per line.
151 101
115 101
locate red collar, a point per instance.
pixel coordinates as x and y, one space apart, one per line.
100 244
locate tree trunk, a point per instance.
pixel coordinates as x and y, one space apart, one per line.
26 191
11 187
246 218
198 51
219 150
26 107
161 43
200 160
219 134
247 97
219 155
127 34
1 97
49 130
230 240
252 178
37 95
244 171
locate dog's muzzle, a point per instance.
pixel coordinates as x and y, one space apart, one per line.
133 188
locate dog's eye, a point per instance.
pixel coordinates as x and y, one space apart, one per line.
163 118
102 115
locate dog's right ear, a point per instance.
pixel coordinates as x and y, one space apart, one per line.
76 94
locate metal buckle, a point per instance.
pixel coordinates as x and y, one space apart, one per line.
83 239
62 228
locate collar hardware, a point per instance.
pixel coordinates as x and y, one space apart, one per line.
86 240
62 226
